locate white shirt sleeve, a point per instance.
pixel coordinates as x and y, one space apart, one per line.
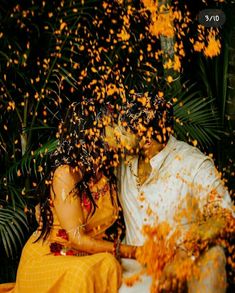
208 188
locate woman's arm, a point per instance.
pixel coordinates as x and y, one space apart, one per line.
69 212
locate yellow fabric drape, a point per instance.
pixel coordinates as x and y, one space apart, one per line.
40 271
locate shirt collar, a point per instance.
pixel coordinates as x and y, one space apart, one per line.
159 158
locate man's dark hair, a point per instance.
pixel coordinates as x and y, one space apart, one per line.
145 112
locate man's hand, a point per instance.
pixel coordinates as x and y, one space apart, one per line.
211 228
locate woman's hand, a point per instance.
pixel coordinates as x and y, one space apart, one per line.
70 214
129 251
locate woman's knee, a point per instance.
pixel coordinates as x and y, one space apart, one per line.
109 259
113 267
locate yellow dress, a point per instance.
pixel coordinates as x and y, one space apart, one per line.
41 271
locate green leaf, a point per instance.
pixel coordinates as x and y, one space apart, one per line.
198 115
12 221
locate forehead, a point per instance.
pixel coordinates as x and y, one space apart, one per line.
135 116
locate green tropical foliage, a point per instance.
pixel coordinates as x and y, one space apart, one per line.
196 118
54 53
13 224
216 77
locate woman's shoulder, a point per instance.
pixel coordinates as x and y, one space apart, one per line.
65 171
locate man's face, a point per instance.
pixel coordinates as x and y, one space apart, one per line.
145 139
118 137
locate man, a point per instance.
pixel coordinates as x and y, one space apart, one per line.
161 177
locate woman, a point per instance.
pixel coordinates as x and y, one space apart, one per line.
71 250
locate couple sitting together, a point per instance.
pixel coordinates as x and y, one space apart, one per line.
80 244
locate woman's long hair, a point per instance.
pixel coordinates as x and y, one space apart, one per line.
80 145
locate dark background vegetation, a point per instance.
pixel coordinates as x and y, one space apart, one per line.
48 55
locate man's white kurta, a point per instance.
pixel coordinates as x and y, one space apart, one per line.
179 171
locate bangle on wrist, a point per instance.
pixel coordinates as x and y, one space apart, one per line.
135 250
116 249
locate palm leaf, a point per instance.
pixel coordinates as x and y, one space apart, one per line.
13 225
25 163
15 195
195 117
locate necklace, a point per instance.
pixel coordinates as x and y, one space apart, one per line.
144 170
135 175
137 180
100 191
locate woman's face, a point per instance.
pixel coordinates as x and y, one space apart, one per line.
118 137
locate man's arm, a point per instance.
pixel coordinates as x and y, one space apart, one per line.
214 203
212 198
209 189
